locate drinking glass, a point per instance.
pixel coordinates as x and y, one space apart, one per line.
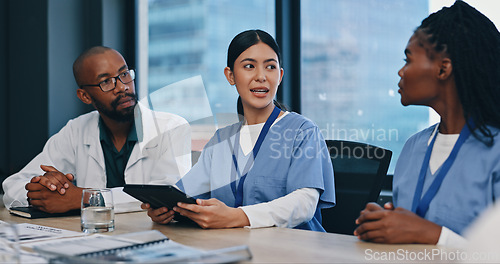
97 211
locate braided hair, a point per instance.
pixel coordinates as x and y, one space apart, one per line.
472 43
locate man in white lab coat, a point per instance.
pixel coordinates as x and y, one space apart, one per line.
122 142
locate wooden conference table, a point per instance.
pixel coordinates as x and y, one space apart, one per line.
268 245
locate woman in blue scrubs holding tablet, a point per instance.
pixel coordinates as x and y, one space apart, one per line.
448 173
271 169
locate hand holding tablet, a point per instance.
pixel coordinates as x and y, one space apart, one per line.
158 195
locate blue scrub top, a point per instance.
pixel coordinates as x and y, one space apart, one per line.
470 186
293 155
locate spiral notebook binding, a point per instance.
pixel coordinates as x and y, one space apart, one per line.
121 249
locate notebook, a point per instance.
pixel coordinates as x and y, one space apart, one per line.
139 247
33 213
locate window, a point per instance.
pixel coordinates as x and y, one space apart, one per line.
351 53
186 44
190 37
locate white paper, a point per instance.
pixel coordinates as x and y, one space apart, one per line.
30 233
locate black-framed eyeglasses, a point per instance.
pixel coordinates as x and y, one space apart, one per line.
110 83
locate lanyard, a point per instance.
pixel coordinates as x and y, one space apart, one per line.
420 206
238 192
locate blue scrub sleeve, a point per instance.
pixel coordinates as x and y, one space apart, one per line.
496 183
311 166
196 182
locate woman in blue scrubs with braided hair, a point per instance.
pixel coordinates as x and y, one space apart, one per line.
448 173
271 169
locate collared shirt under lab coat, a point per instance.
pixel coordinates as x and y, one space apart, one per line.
162 155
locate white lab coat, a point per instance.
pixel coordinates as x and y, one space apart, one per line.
162 155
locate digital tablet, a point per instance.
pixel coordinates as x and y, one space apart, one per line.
158 195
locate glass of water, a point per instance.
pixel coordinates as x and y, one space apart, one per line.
98 213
